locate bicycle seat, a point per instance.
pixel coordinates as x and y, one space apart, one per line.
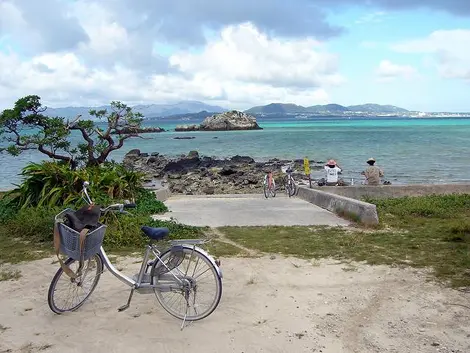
155 233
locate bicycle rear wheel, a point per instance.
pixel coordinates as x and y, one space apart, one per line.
272 189
76 291
265 188
291 186
201 284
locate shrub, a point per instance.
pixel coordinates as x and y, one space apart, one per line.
54 183
148 204
33 224
8 208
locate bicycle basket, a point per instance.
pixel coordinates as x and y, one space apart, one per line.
70 241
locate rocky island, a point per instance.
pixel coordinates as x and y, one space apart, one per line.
140 130
231 120
193 174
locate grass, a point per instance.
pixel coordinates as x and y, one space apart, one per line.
424 232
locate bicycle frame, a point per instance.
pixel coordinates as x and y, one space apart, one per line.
140 285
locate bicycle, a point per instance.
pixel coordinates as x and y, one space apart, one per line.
172 275
289 182
269 185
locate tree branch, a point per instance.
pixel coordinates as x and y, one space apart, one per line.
88 139
113 147
53 155
72 124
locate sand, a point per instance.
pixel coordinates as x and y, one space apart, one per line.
269 304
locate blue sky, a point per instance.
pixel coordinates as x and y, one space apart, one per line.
237 53
370 37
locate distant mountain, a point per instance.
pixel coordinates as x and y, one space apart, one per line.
276 108
149 110
376 108
281 108
331 108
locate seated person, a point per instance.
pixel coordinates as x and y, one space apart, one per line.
332 171
372 173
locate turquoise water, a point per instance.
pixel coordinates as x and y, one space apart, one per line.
409 150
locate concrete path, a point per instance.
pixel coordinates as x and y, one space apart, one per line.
247 210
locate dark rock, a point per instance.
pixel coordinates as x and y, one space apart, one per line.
208 190
184 138
227 171
242 159
143 155
134 152
193 154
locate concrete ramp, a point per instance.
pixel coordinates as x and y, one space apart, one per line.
247 210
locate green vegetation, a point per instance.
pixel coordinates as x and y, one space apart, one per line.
429 231
54 184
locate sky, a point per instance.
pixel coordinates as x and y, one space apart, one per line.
237 53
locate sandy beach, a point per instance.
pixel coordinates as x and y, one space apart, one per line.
269 304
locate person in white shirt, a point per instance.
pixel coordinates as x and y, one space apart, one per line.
332 170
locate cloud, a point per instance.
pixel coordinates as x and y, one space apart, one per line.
447 50
44 25
240 67
373 17
389 71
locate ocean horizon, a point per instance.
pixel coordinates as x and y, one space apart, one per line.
409 150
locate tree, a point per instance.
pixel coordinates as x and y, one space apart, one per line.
25 127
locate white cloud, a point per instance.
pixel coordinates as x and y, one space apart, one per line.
388 71
240 68
448 50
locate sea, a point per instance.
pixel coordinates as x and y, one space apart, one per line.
409 150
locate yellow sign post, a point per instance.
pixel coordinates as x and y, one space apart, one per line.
306 166
307 170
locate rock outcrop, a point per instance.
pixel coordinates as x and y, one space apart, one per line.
141 130
231 120
194 174
184 128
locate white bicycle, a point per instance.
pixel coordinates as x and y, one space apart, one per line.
186 280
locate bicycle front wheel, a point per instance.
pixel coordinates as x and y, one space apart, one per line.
67 294
265 189
291 187
189 286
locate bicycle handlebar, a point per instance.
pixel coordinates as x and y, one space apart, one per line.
118 206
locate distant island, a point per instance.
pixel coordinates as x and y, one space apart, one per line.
195 110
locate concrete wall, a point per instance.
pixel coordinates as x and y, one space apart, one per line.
391 191
363 212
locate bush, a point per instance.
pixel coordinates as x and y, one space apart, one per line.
8 208
148 204
35 224
54 184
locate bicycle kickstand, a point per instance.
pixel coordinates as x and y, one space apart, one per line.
126 306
